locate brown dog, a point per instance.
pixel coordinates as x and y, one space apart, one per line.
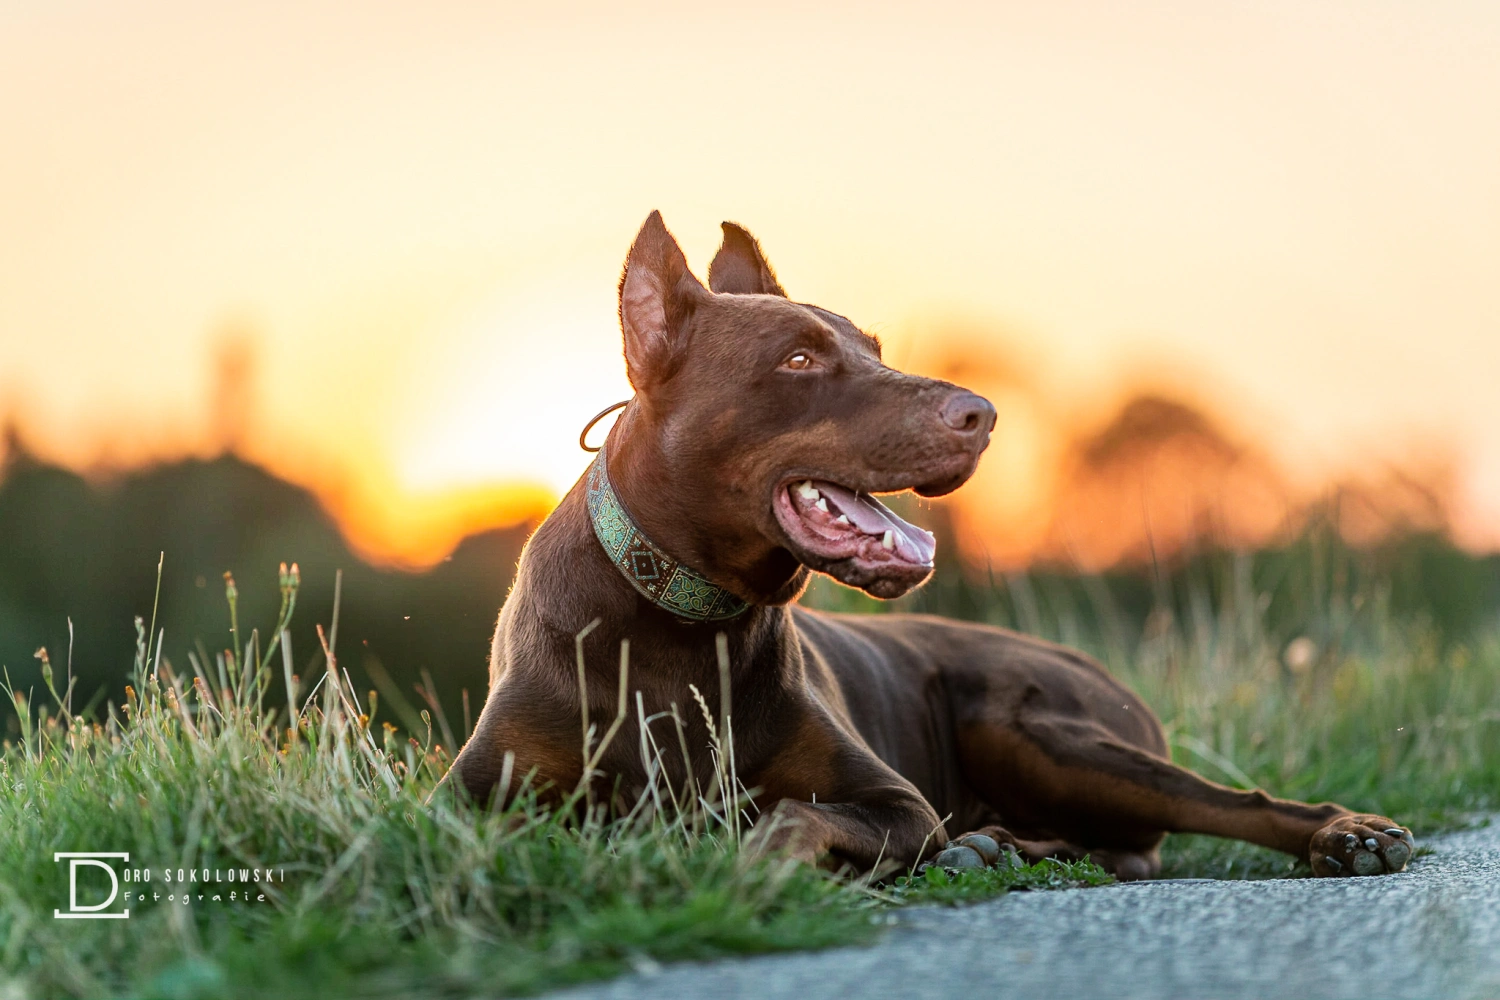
747 459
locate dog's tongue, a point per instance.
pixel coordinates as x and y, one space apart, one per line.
875 518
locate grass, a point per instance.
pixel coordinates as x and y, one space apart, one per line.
389 890
935 886
379 887
1381 716
1411 732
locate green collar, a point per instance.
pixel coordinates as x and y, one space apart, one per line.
666 582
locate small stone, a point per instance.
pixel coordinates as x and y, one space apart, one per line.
1366 863
985 847
959 857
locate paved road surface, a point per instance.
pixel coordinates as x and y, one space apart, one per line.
1431 932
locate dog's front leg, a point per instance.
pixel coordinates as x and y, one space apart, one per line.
827 800
867 835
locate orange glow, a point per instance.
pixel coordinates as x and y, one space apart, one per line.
417 532
1282 214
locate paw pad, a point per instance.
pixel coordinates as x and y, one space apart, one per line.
958 856
986 847
1371 845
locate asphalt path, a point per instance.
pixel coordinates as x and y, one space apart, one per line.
1428 933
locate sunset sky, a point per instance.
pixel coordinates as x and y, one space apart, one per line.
1286 212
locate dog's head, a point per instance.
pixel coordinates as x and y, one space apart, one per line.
762 427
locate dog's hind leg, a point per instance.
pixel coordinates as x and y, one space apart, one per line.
1081 781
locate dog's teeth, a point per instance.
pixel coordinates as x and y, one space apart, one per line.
889 541
822 505
841 519
806 490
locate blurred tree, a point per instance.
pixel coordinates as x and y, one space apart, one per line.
70 549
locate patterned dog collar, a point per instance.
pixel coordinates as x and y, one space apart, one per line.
665 581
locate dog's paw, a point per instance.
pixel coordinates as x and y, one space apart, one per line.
982 849
1361 845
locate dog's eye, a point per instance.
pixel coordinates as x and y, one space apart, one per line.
799 361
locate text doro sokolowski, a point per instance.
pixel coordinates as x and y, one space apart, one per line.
240 885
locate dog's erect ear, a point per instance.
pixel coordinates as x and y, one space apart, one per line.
739 267
657 297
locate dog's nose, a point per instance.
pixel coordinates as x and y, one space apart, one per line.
969 414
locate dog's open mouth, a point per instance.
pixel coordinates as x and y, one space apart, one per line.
853 537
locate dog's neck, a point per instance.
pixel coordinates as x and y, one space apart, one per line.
660 577
568 585
679 510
